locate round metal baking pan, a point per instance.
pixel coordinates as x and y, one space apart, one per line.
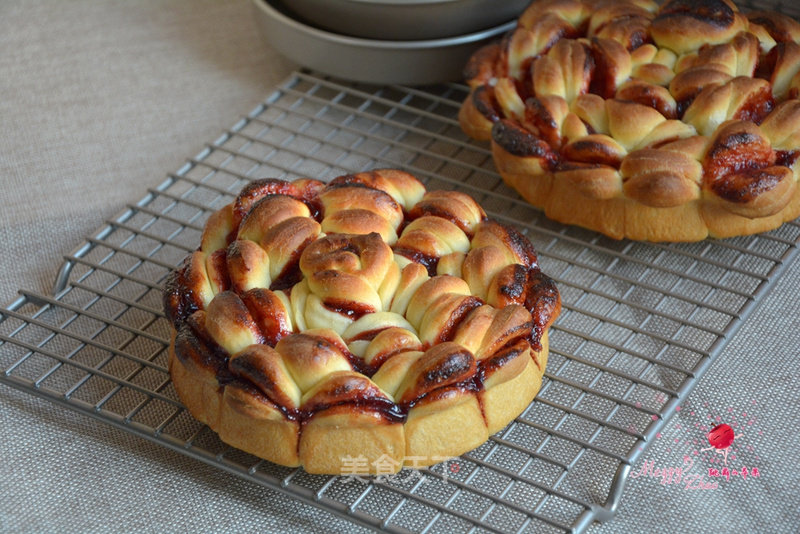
367 60
405 20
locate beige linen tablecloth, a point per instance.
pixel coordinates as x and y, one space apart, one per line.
99 100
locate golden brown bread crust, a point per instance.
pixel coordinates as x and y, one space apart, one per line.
670 123
364 320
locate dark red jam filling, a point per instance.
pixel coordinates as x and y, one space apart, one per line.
472 385
390 411
179 300
349 308
486 104
429 262
786 158
457 317
509 351
261 305
289 277
745 186
544 302
757 107
519 142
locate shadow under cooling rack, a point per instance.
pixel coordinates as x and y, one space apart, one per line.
640 322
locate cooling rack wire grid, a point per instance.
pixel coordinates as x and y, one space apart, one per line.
640 322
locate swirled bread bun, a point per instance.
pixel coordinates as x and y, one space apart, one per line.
640 121
364 319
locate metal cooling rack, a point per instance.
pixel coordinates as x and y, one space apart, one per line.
640 322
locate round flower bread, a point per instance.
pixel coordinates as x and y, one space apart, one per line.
362 319
668 123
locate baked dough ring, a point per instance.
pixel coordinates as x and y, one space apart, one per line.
615 116
366 321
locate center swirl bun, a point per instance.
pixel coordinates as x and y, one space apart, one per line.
363 318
